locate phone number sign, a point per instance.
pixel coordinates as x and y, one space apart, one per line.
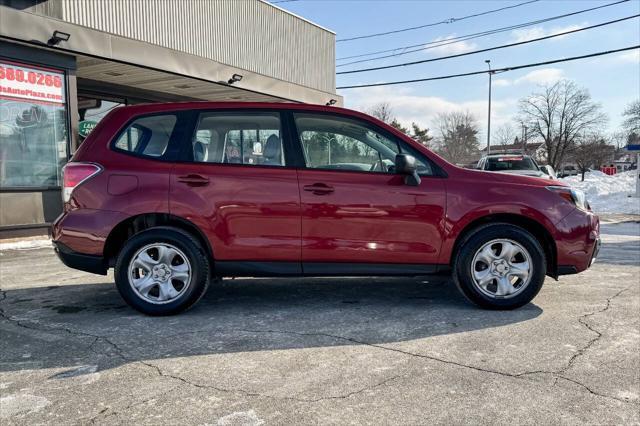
34 84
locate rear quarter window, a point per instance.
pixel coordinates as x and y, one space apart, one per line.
147 136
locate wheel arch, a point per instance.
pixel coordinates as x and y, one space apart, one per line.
534 227
138 223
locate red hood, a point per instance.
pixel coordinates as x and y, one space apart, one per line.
509 178
525 180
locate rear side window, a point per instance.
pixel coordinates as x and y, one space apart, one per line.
148 136
249 138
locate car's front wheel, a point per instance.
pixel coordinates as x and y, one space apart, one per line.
162 271
500 266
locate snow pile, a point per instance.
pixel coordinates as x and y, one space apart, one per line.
26 244
608 194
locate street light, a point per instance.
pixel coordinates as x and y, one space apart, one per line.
488 62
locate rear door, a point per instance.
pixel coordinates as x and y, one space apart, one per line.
236 185
354 208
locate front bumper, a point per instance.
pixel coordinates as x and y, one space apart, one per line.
83 262
577 241
596 250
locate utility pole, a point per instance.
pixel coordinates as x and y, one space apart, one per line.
488 62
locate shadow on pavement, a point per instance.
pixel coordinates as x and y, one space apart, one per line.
71 325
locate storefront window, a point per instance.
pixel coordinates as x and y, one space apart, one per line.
33 126
91 110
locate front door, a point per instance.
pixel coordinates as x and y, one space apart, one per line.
236 187
354 208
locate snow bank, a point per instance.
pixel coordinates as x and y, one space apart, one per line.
26 244
608 194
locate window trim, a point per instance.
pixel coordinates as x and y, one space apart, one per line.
437 171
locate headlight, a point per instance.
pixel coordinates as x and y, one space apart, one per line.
574 196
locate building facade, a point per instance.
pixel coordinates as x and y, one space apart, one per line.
64 64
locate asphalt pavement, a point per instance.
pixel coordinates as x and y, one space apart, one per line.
322 351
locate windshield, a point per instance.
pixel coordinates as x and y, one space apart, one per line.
510 163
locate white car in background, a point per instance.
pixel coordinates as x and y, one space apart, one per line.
515 164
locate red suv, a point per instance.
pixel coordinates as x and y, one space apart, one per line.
176 195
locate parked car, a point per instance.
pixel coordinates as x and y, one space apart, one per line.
175 195
515 164
567 171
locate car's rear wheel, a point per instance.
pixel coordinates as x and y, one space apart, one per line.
500 266
162 271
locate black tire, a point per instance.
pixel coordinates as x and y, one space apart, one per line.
462 265
194 252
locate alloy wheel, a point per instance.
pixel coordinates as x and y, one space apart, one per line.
501 268
159 273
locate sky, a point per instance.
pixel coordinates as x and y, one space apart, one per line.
613 80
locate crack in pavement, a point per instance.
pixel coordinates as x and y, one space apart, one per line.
101 413
598 334
558 374
162 373
33 325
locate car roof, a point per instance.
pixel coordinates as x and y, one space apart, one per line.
173 106
507 155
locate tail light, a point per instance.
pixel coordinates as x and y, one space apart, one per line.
74 174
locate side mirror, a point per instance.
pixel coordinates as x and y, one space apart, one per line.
406 165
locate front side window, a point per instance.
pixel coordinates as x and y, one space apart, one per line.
339 143
33 126
148 136
253 138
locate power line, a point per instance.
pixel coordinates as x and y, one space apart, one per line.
433 24
452 40
489 48
495 70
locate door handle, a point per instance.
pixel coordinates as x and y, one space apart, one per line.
319 188
194 180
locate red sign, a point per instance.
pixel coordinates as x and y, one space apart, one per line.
608 170
33 84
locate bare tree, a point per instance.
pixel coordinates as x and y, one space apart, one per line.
591 151
631 122
382 111
458 135
559 114
505 135
618 140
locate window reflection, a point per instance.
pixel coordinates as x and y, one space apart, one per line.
33 143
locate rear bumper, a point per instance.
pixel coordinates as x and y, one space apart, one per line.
83 262
85 230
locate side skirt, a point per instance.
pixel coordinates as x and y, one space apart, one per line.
323 269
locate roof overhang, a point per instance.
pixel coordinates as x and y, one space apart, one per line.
105 57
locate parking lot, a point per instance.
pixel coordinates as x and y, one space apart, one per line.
330 351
